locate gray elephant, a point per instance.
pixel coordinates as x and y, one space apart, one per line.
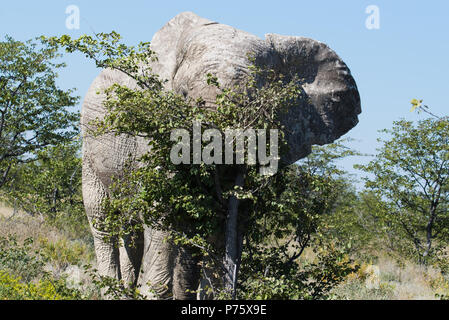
189 47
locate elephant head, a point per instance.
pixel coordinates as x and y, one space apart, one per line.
189 47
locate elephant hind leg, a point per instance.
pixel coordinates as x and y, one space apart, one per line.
156 278
131 253
186 275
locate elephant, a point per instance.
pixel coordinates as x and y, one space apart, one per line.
188 47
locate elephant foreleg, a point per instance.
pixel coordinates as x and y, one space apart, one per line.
106 251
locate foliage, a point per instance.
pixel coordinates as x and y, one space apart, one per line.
282 279
34 111
12 288
419 107
410 177
50 188
20 259
355 223
112 288
62 253
297 206
355 289
23 275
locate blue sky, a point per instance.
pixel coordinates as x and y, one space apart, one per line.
408 57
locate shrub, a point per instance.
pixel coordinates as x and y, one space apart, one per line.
62 253
19 259
12 288
289 280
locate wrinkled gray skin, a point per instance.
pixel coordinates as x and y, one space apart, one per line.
189 47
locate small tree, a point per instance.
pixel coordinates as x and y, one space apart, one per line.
50 188
410 173
34 111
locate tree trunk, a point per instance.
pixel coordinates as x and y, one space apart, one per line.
232 242
429 232
432 217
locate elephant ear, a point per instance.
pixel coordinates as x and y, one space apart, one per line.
330 102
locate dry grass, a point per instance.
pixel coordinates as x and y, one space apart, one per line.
65 256
5 211
22 227
393 281
386 279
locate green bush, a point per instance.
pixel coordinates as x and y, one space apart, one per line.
19 259
13 288
355 289
63 252
50 188
23 277
287 280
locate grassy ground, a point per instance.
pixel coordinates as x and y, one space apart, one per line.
5 211
383 279
389 280
50 254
